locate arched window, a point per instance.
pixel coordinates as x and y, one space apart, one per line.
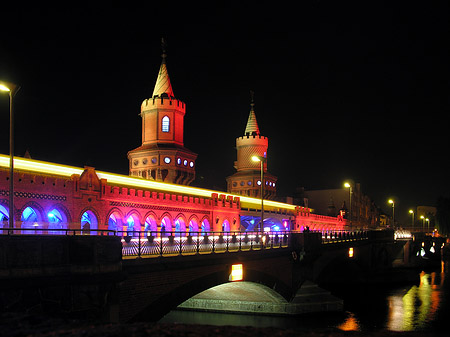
30 220
225 226
166 226
4 217
56 220
165 126
115 222
88 223
150 226
193 226
205 227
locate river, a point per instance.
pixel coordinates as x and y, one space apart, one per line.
423 306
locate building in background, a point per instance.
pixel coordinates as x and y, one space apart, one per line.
361 213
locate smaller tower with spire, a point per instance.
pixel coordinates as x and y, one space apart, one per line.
247 179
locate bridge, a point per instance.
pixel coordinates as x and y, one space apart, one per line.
92 243
142 276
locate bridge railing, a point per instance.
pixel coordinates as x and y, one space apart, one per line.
343 236
155 244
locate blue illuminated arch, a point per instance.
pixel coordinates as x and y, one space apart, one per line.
205 226
31 220
88 223
115 222
4 217
193 225
226 226
150 224
56 220
166 226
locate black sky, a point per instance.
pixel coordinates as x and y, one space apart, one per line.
344 90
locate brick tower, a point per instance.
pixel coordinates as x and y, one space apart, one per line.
247 179
162 155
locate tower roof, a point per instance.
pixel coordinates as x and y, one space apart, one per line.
252 124
163 85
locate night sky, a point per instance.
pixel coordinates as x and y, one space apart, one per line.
344 90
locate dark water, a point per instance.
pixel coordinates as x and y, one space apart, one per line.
423 306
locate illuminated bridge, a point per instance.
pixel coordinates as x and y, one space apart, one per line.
154 245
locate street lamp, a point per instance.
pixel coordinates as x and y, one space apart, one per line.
11 89
349 186
261 160
393 211
412 214
423 222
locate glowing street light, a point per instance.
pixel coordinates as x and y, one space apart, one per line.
11 89
350 191
393 211
423 222
261 160
412 214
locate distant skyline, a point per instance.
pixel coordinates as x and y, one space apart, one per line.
343 91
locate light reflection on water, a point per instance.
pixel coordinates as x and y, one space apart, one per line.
412 308
424 306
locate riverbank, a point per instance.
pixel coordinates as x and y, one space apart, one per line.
12 325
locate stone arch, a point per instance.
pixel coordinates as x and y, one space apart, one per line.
193 224
115 219
58 217
4 214
150 223
166 224
89 220
205 225
180 223
184 291
226 226
31 218
133 222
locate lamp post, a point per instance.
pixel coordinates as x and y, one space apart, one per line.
11 89
423 222
261 160
393 211
412 214
350 190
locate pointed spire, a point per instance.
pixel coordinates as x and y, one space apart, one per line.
163 85
252 124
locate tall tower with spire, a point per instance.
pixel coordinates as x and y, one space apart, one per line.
162 155
247 179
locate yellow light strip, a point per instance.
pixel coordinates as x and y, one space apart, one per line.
37 166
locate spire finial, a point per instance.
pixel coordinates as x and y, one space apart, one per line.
252 99
164 49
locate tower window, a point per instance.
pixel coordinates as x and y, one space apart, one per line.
165 124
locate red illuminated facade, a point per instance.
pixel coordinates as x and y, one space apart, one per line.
162 155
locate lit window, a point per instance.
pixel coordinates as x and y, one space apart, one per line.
165 124
258 183
191 164
179 161
185 162
167 160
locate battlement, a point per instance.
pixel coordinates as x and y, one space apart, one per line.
252 140
162 101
